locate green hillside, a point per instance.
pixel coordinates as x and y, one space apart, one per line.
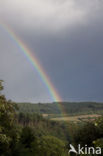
25 133
71 108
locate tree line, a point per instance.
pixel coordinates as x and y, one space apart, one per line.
29 134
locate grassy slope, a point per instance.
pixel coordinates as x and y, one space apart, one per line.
70 108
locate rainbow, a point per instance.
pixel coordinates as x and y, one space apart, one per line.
34 62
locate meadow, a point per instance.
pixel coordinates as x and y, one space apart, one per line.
79 118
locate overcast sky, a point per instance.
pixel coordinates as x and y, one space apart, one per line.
66 36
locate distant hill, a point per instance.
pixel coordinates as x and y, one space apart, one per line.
71 108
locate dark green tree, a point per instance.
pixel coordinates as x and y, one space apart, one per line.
27 145
51 146
8 135
86 134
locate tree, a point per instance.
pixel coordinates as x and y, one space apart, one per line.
8 135
27 145
51 146
99 141
86 134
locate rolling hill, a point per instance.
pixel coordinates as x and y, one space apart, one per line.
69 108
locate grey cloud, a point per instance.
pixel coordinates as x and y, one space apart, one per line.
21 81
66 36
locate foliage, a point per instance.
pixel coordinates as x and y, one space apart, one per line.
99 141
8 132
25 133
71 108
90 134
49 145
86 134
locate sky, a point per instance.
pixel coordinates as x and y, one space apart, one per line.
67 38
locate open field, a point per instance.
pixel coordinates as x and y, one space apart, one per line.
77 118
74 111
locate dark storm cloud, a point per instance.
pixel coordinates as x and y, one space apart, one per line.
74 62
67 38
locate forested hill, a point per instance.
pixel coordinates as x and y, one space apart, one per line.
30 134
69 107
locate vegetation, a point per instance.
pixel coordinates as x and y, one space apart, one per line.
71 108
76 119
30 134
26 134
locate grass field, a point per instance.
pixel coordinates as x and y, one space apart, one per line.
77 118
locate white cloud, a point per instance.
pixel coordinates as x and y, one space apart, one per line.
44 14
